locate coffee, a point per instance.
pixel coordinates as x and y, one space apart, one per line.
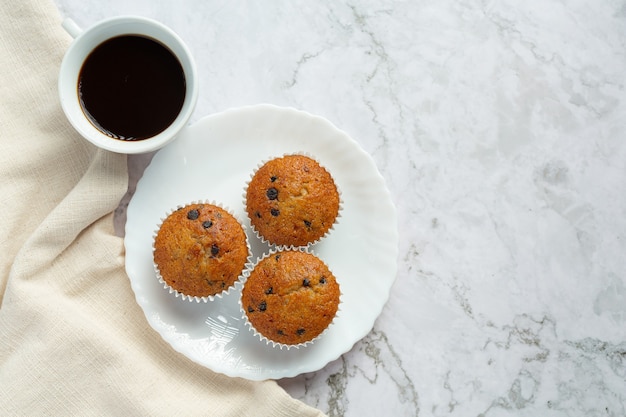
131 87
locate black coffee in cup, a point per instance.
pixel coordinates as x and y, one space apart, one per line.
131 87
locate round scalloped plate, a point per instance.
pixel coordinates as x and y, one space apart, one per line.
213 160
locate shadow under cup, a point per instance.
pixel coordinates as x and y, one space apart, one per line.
111 95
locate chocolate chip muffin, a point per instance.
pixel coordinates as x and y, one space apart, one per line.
200 250
292 201
290 297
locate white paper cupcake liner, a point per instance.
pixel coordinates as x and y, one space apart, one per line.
265 339
309 244
238 282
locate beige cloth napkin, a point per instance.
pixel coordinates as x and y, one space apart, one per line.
72 339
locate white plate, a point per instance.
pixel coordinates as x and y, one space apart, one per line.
213 160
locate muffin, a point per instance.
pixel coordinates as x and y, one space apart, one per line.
200 250
292 201
289 298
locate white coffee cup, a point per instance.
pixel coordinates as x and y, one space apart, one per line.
85 41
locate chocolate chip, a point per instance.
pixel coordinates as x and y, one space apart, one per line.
215 249
193 214
323 280
258 214
272 178
277 257
262 306
250 309
307 224
300 331
280 332
275 212
306 282
270 290
207 224
272 193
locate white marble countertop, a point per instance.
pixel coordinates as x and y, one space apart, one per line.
500 130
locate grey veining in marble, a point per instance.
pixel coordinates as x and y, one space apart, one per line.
499 127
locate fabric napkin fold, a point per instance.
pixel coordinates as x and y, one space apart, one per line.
73 341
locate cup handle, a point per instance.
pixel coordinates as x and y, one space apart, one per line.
71 27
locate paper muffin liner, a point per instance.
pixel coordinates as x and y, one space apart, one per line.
238 282
311 243
259 335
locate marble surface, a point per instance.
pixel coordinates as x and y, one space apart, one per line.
500 129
